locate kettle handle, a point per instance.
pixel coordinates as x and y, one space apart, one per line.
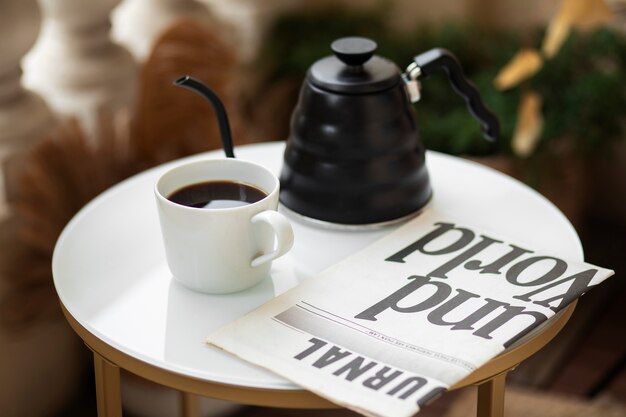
439 58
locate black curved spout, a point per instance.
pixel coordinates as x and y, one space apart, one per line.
441 59
222 117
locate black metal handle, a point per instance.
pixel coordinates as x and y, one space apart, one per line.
439 58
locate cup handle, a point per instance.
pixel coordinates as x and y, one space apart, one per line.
283 232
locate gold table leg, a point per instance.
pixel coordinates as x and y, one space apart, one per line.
491 397
108 396
191 405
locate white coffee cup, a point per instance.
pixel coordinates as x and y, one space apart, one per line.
221 250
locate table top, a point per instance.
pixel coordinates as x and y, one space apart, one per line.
116 289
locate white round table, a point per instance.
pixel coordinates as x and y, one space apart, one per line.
117 292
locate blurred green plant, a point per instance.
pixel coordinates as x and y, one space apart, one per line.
583 89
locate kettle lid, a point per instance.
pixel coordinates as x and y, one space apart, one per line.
354 69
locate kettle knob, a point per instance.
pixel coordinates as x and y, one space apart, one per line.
354 50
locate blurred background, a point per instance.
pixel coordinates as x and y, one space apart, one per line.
86 101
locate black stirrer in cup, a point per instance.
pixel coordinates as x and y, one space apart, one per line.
222 118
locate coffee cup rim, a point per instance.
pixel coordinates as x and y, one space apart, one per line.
188 164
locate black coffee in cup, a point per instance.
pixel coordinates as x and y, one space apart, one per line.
217 195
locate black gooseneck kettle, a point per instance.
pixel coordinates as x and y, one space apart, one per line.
353 156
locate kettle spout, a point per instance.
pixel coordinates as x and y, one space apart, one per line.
222 117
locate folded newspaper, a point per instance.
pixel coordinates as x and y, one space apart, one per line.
391 327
